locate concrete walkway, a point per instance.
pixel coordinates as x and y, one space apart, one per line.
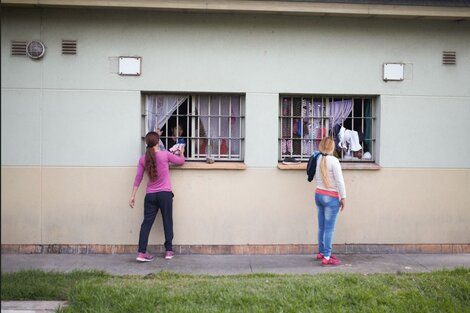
125 264
31 306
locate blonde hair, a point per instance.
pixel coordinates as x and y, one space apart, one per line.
327 146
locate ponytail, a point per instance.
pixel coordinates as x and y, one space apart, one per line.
150 163
324 172
326 147
151 139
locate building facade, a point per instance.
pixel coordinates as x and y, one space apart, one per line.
72 124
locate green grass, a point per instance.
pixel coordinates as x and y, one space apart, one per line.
39 285
439 291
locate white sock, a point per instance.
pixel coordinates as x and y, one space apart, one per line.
327 258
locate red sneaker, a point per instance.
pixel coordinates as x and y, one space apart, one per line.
144 257
320 256
169 255
331 261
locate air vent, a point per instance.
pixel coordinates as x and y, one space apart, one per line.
69 47
449 58
18 48
35 49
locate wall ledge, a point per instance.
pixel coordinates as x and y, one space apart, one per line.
344 166
213 166
236 249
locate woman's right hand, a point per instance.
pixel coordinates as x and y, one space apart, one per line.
342 203
181 148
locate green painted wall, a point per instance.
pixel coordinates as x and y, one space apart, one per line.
50 102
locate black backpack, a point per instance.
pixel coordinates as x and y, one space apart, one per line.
312 166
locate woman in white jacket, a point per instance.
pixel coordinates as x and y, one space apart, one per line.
330 198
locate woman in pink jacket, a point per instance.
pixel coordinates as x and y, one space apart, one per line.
155 162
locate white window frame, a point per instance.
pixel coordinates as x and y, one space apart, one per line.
292 146
211 143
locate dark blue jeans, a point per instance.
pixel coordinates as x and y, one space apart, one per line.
153 201
328 208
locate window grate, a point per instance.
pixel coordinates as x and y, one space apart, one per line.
69 47
211 126
449 58
18 48
305 120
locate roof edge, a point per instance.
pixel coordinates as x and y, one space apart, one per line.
259 6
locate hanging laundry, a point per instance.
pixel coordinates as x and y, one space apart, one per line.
349 142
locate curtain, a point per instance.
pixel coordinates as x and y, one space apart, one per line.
159 109
313 132
339 111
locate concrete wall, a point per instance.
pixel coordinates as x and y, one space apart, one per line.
255 206
71 126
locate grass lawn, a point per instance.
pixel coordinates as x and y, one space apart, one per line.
439 291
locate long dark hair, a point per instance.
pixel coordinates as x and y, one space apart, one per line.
151 140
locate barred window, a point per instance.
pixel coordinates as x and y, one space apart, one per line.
305 120
211 126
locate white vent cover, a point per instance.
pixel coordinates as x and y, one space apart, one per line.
393 71
35 49
449 58
130 66
18 48
69 47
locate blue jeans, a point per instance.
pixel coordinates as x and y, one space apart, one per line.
328 208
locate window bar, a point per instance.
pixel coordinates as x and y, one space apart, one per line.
327 113
291 135
177 123
342 122
322 121
301 126
287 120
281 114
362 125
353 118
314 135
144 119
198 104
193 125
230 127
219 119
372 127
146 113
188 115
283 121
352 121
332 112
166 127
239 128
310 122
312 128
209 133
242 144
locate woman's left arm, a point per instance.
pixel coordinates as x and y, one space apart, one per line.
132 199
176 159
137 180
338 175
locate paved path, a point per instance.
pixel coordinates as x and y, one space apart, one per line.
125 264
31 306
